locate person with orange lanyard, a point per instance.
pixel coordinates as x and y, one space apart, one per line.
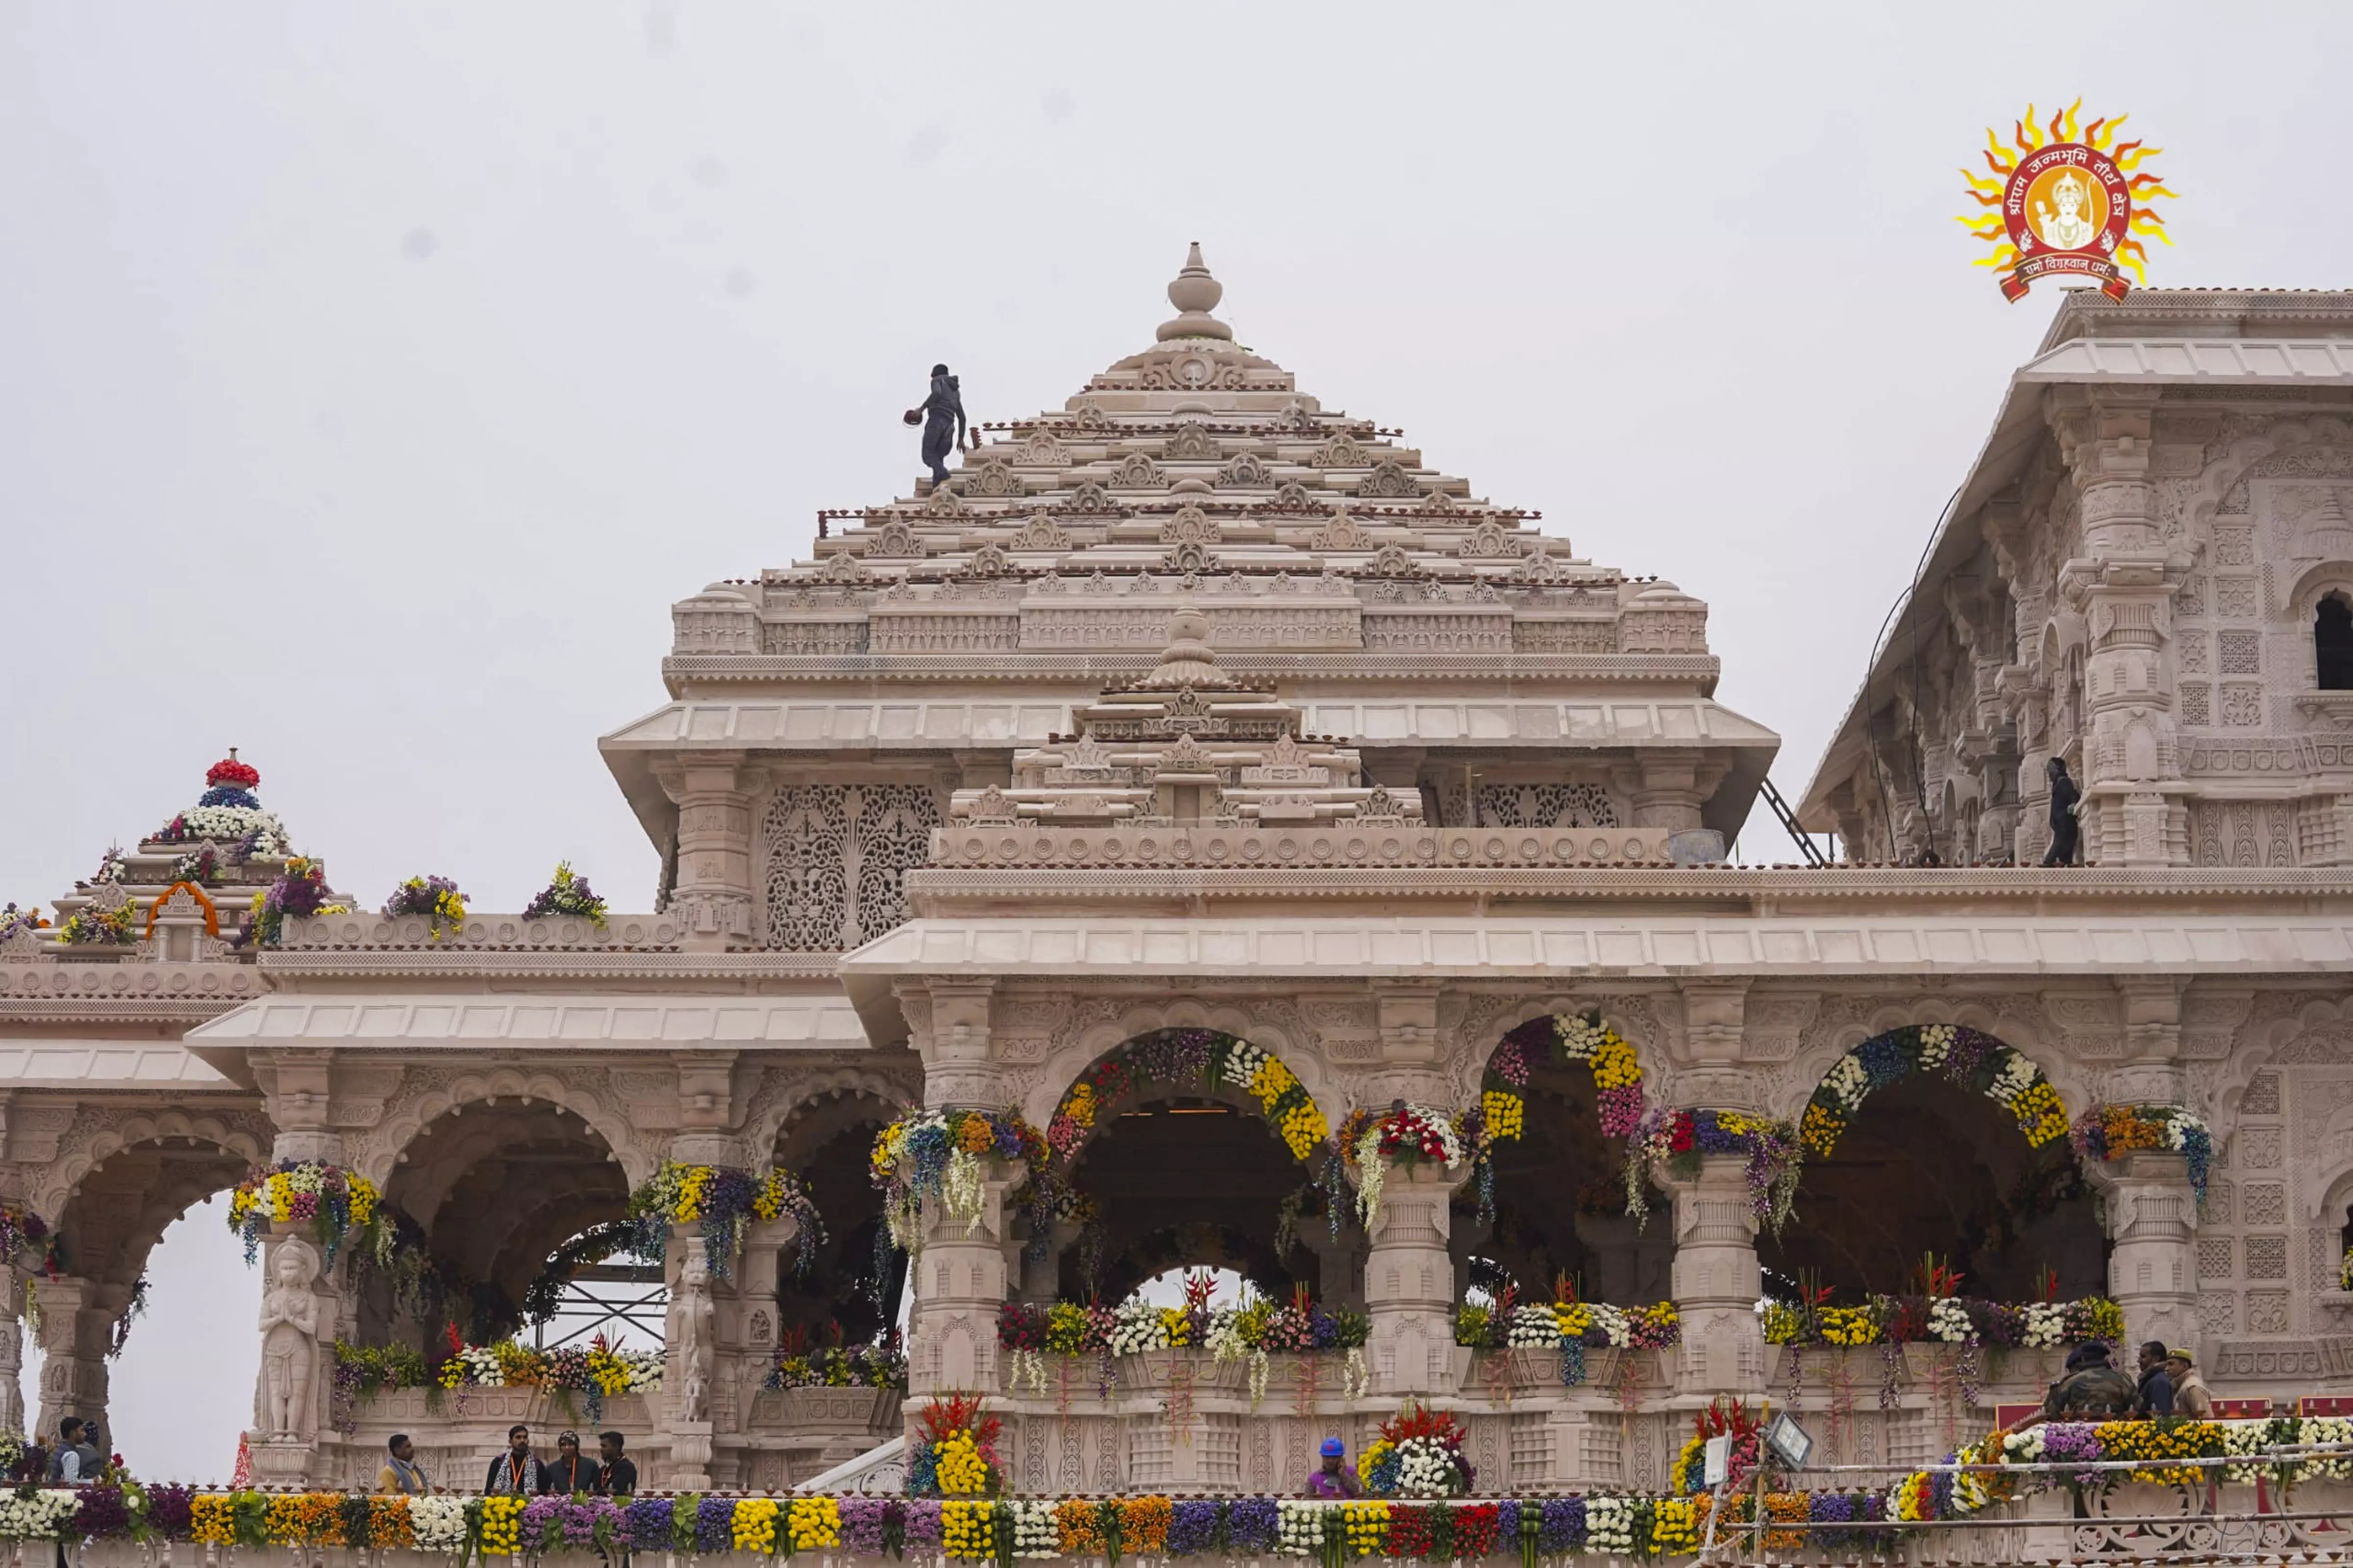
515 1473
568 1473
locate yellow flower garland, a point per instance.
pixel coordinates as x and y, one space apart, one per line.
502 1520
754 1525
814 1523
966 1530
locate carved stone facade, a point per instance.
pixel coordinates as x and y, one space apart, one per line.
1195 706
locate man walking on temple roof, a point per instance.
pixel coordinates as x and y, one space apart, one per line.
944 422
2064 799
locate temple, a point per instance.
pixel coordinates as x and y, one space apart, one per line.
1205 835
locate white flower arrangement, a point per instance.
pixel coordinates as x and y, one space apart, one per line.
2320 1430
2023 1448
36 1515
1137 1326
1035 1536
1949 1321
1243 1061
1356 1375
963 1194
230 824
1609 1525
438 1523
1427 1467
1299 1526
483 1368
2180 1126
1261 1363
2046 1325
1936 1045
1534 1329
1612 1321
2010 1079
1848 1083
1580 1039
645 1368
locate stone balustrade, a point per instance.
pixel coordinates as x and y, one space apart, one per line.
483 933
1336 844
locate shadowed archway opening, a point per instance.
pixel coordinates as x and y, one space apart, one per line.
1926 1166
493 1188
855 1280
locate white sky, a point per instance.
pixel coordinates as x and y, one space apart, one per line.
372 379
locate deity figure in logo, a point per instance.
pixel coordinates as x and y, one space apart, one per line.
2068 229
290 1341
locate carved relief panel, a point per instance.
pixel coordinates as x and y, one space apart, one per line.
833 857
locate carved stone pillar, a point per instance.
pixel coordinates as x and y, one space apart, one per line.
2124 587
745 1320
948 1024
1669 790
298 1087
714 893
1717 1279
74 1332
691 1362
707 1123
959 1283
1410 1282
2152 1218
11 1355
2150 1011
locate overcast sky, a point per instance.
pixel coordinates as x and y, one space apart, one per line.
372 379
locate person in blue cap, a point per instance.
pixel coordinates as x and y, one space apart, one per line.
1335 1479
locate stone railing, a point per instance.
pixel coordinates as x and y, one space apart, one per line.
1339 844
124 974
482 933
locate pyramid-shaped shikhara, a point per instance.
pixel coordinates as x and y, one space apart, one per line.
1194 469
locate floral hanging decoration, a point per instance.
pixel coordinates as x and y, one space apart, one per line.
341 1206
1964 1055
2110 1131
725 1200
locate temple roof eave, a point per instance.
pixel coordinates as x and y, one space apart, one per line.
2189 361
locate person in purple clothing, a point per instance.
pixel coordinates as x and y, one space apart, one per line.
1335 1479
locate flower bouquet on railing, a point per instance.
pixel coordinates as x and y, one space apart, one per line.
1722 1419
1676 1138
940 1155
1405 1135
2110 1131
725 1200
955 1453
600 1368
299 893
883 1364
1419 1454
342 1206
1931 1315
91 926
567 893
1566 1324
435 897
1206 1057
13 919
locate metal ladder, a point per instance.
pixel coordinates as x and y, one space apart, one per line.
1789 825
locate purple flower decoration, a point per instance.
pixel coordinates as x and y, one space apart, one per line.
1561 1527
169 1509
714 1524
649 1523
1192 1527
1250 1523
923 1525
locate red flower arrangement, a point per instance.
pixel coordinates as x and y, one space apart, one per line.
233 775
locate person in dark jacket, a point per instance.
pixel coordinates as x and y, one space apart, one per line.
618 1475
568 1472
943 426
2090 1391
2064 798
515 1473
2155 1388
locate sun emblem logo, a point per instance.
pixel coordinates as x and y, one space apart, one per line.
2067 203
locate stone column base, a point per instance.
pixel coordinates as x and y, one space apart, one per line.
690 1456
279 1461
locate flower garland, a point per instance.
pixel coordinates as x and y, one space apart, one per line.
204 902
567 893
1203 1056
1417 1454
725 1199
13 919
1402 1135
341 1205
954 1454
2109 1132
1968 1057
1949 1319
939 1155
253 832
436 898
1677 1139
1562 1038
1567 1325
883 1364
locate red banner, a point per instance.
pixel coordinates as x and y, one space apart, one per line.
2112 283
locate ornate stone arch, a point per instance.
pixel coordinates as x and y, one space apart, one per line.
2014 1027
637 1155
1899 1046
785 1098
244 1136
1483 1031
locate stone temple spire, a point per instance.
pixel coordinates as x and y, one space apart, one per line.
1194 294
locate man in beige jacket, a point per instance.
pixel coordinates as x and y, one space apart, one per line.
2191 1394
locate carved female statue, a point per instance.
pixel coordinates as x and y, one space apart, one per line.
694 1326
289 1340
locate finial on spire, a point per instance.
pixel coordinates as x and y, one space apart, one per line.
1194 294
1188 659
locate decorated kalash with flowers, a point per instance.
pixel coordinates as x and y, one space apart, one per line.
1195 1005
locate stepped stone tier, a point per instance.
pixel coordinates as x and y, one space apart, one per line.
1200 766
